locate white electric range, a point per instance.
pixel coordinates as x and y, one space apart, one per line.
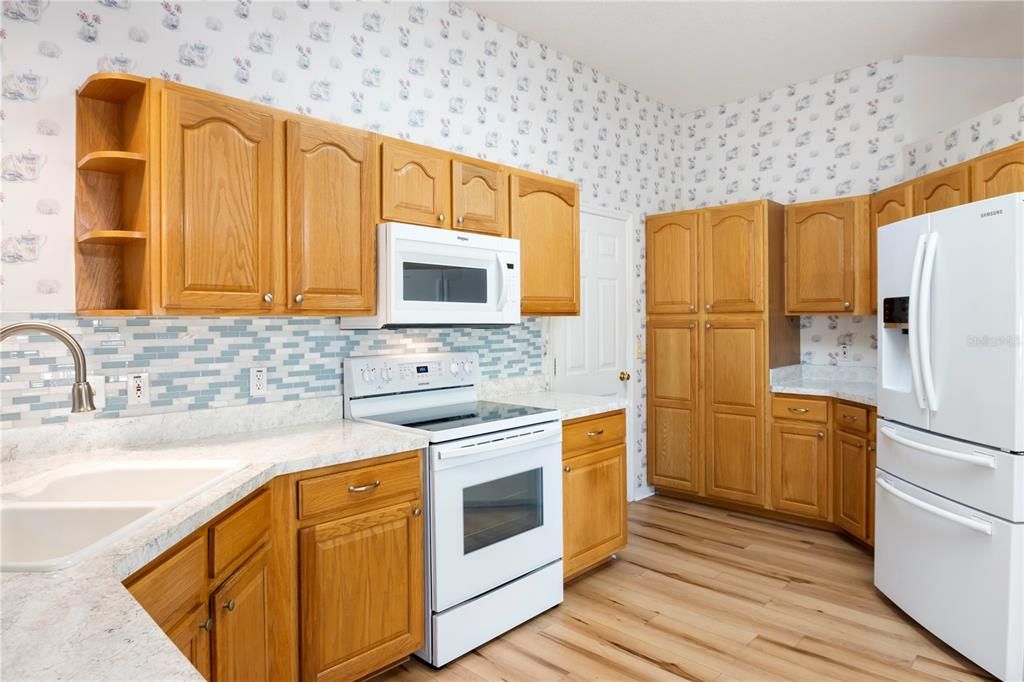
493 493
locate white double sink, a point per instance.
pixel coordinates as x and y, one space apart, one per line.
59 518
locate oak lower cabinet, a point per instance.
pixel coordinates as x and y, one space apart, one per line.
331 218
674 457
852 478
734 374
242 622
672 262
799 464
546 221
416 184
218 181
828 251
192 636
593 490
361 592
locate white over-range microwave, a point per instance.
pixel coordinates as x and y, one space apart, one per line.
432 277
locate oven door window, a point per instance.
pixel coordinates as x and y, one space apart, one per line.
441 283
501 509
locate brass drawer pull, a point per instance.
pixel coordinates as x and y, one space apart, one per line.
595 434
364 488
849 418
799 410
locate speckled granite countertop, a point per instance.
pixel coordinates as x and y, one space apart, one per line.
571 405
80 623
856 384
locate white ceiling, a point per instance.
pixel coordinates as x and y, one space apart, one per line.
697 54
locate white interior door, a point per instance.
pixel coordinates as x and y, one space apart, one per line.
590 351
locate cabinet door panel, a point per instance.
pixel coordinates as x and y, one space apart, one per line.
241 623
852 480
361 592
480 198
799 465
673 423
942 189
734 258
672 254
545 220
332 179
887 206
416 185
999 173
218 189
192 636
820 275
594 489
734 388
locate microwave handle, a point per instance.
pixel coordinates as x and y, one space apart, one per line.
503 294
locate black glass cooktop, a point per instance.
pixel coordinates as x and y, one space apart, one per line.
445 417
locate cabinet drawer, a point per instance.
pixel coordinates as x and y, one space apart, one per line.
800 409
852 418
360 489
591 433
237 534
175 586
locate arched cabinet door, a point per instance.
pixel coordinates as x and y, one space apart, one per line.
480 197
672 256
826 267
331 185
942 189
998 173
734 258
217 200
546 221
889 205
416 184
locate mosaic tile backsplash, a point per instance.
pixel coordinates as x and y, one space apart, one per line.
198 362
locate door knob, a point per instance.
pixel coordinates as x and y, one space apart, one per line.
624 376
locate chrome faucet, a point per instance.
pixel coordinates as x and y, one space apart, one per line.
81 391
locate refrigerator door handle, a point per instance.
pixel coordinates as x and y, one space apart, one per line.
987 461
965 521
925 323
915 291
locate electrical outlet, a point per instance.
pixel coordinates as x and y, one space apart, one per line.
257 381
844 353
138 389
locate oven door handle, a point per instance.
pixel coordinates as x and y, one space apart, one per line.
500 443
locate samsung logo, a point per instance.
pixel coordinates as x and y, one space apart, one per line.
463 239
989 214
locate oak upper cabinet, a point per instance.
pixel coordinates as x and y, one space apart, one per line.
799 466
887 206
331 232
998 173
594 507
546 221
361 592
853 479
734 254
672 257
734 385
942 189
217 190
415 184
242 622
480 197
827 257
673 422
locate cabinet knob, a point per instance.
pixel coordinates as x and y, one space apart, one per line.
269 298
299 298
707 306
692 325
707 325
230 605
693 308
440 217
821 434
417 511
871 448
846 304
206 625
568 469
460 219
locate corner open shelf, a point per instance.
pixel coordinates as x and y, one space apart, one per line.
112 196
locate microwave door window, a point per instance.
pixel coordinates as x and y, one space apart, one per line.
436 283
501 509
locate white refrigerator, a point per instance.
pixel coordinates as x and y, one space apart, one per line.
949 495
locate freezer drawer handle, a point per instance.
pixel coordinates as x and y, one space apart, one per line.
973 524
978 460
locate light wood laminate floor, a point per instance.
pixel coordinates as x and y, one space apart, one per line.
707 594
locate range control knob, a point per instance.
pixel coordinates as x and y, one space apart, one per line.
454 368
386 374
467 366
366 375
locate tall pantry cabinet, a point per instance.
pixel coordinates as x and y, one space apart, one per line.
715 326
